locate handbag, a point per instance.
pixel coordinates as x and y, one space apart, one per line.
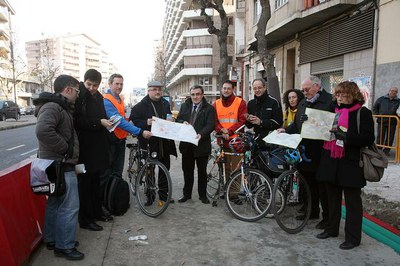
47 177
372 160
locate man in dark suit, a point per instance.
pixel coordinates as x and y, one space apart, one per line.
201 115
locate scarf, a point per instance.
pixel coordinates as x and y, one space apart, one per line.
313 99
343 121
289 116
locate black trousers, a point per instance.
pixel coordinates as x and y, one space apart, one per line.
354 212
318 194
162 181
188 162
89 198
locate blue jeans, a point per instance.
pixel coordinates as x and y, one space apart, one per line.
118 157
61 216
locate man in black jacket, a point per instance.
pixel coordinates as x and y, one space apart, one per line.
316 98
91 123
386 105
200 114
264 112
141 115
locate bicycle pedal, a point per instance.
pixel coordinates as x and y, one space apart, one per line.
160 204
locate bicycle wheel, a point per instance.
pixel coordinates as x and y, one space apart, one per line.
153 188
248 197
213 178
133 169
279 201
296 201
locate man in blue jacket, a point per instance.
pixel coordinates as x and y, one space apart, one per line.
115 107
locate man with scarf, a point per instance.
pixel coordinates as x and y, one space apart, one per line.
265 112
230 114
319 99
339 166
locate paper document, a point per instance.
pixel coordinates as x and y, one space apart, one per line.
175 131
115 120
318 125
283 139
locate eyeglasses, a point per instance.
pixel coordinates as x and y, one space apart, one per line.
196 94
76 89
342 95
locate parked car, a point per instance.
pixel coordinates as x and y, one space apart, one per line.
30 110
9 109
22 110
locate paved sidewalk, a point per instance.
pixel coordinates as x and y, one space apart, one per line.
196 234
25 120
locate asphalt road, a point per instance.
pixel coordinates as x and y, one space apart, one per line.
16 145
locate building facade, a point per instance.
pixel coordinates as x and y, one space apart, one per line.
69 54
191 52
333 39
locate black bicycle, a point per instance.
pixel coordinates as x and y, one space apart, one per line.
149 181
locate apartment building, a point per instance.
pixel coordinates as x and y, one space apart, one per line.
6 88
191 53
71 54
333 39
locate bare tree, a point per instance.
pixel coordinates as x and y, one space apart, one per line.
267 59
221 33
160 64
46 69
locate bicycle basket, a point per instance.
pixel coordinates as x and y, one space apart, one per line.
272 162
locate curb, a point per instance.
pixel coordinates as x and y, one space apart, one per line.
17 126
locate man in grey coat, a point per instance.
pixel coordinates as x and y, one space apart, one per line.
58 141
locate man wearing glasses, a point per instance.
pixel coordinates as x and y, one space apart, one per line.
201 115
57 141
115 107
264 112
316 98
153 104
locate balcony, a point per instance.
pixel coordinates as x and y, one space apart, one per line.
190 15
3 14
303 18
189 52
191 70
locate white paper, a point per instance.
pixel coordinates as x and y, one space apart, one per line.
318 124
283 139
175 131
115 120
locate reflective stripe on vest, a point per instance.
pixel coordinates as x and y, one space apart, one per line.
228 116
119 133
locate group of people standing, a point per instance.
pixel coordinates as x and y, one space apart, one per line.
74 123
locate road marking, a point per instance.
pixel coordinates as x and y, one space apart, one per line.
16 147
25 153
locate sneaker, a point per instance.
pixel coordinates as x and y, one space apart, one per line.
69 254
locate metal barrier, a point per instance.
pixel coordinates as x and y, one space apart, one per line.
385 129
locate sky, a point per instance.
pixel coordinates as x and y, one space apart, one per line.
126 29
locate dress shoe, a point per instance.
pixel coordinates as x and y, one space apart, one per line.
171 200
69 254
322 224
104 218
347 245
52 245
183 199
92 227
204 200
325 235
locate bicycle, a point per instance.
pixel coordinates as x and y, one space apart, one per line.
149 181
248 191
295 199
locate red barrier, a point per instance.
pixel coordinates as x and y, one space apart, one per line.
21 215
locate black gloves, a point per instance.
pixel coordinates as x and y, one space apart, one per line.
303 118
340 134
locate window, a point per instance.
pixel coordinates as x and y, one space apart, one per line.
279 3
230 20
257 11
229 40
206 82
